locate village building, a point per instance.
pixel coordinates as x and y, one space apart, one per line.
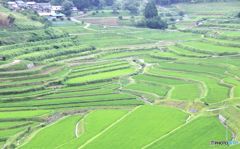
44 7
12 5
44 14
31 5
56 16
74 9
2 58
56 8
21 4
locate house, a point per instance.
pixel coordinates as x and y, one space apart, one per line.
56 8
56 16
12 5
43 7
74 9
2 58
31 4
21 4
59 15
44 14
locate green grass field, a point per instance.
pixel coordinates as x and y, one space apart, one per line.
195 135
50 137
131 132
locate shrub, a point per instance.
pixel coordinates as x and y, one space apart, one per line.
11 19
238 15
181 13
168 14
12 146
156 23
141 23
120 17
173 26
172 19
115 11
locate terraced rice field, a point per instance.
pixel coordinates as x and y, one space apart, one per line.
72 86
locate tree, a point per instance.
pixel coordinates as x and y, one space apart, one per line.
150 10
67 8
101 3
95 3
132 6
82 4
238 15
156 23
109 2
152 20
181 13
11 19
57 2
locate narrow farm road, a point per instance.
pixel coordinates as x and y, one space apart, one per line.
76 129
85 27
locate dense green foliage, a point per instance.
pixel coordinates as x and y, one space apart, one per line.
67 8
86 4
150 10
238 15
152 19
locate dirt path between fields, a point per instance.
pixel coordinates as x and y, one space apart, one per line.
85 27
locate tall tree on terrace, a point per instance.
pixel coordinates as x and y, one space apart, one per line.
95 3
11 19
152 20
238 15
150 10
67 8
132 6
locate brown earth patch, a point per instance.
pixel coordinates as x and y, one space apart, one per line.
111 21
4 20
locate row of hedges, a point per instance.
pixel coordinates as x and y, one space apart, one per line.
27 72
31 36
224 37
97 72
188 55
37 43
20 51
205 52
57 52
237 45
